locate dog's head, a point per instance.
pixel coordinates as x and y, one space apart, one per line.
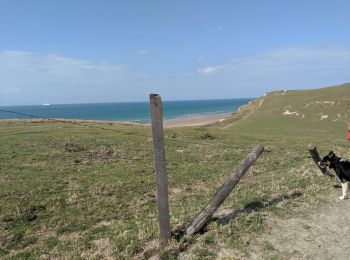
329 160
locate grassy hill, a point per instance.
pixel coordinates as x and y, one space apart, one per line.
297 111
74 191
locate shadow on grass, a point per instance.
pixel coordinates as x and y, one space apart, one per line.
251 207
255 206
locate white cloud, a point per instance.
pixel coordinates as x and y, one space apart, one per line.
14 64
38 77
209 70
274 63
285 68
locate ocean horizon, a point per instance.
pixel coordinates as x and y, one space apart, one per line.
138 112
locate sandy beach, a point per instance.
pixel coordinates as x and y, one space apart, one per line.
200 120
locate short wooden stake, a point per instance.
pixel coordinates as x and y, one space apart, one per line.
205 215
316 158
160 166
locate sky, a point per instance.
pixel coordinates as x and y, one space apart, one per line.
87 51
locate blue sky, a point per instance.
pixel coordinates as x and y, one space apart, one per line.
77 51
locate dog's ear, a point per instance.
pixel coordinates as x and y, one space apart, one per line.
331 154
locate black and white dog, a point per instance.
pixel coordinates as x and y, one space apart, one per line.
341 168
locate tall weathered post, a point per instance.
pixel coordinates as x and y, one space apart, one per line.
160 166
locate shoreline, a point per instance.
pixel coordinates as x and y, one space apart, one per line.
186 121
198 120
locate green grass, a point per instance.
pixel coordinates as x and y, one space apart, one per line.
77 192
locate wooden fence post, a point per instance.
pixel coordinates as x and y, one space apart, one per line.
205 215
160 166
316 158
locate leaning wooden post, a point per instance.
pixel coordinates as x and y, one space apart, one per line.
205 215
316 158
160 165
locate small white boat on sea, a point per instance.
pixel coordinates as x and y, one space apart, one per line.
46 104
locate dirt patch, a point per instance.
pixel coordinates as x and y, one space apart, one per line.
99 154
100 249
317 233
69 146
207 136
103 247
324 234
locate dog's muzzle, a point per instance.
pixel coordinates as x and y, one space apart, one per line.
322 165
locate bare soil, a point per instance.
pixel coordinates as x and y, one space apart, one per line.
323 234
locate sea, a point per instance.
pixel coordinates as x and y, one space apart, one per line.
124 111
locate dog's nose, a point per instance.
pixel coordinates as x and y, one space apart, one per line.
320 165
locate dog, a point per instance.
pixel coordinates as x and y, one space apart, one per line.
342 170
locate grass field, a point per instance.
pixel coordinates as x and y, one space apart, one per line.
71 191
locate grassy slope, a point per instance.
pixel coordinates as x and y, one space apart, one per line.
72 191
310 105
